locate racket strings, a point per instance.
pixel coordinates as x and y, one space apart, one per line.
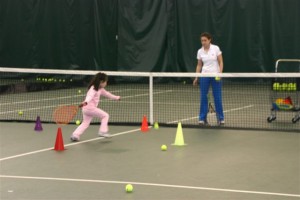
64 114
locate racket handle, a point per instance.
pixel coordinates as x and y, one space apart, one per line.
82 104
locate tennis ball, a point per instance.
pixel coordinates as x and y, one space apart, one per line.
294 87
289 87
284 86
217 78
279 87
78 122
79 91
129 188
20 112
184 82
276 86
164 147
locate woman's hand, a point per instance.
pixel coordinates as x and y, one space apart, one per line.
195 82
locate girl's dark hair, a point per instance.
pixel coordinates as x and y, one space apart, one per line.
97 79
207 35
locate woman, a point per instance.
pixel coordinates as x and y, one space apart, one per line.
209 61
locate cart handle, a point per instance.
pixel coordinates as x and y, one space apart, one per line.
285 60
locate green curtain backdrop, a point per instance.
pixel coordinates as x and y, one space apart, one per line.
147 35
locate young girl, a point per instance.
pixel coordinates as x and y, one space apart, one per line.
90 107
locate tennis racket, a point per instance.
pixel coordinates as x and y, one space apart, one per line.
211 108
211 115
63 115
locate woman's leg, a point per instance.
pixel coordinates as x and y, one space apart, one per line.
204 83
217 92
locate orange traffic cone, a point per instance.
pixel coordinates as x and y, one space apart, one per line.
59 144
144 127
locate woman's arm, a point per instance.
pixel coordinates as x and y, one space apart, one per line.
198 70
220 61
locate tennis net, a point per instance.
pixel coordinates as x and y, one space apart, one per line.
264 101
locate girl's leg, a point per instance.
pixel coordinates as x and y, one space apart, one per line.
85 123
104 116
217 92
204 83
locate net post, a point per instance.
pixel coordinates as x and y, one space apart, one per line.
151 99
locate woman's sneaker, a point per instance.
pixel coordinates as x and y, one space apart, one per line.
202 122
222 122
106 135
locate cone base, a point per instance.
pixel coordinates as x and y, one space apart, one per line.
145 129
38 128
179 144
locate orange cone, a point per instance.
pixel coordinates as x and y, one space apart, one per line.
59 144
144 127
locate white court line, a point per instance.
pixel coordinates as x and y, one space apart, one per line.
146 94
67 97
153 184
234 109
39 100
43 107
71 144
51 99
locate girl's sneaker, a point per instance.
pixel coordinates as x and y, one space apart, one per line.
106 135
74 139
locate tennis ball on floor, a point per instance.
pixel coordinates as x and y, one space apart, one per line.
217 78
129 188
78 122
20 112
164 147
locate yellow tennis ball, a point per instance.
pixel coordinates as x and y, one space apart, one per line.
164 147
284 86
20 112
184 82
217 78
129 188
79 91
276 86
78 122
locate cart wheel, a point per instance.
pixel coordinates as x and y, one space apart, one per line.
271 118
295 119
